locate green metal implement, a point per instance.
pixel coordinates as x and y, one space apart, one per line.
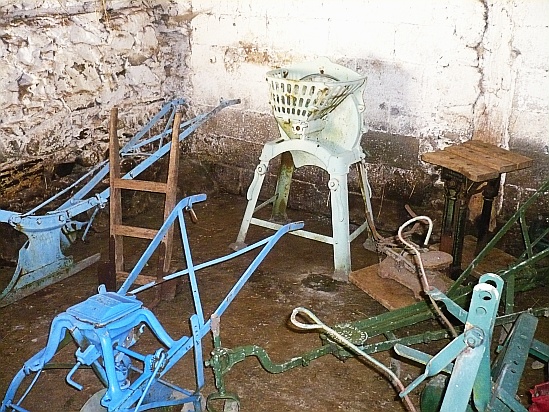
526 273
468 355
504 378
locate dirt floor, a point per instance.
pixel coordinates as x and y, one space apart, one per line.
296 273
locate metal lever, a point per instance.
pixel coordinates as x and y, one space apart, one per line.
469 351
194 218
422 275
317 324
436 364
69 377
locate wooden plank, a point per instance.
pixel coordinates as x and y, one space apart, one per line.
500 164
133 231
472 171
519 161
391 294
168 289
139 280
141 185
116 243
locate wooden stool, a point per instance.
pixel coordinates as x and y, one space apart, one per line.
465 168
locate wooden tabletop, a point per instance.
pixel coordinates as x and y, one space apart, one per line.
478 161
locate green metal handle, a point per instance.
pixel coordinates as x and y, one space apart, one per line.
317 324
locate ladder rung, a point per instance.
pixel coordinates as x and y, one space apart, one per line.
133 231
139 280
141 185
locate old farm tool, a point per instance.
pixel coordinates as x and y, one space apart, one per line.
344 341
473 384
318 107
379 333
41 259
106 328
411 265
118 230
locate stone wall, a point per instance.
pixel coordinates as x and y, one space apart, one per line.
65 64
438 73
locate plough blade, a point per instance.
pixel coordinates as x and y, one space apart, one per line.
41 260
30 283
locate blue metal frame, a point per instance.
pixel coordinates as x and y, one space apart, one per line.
41 261
106 326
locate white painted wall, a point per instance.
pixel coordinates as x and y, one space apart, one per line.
442 71
530 51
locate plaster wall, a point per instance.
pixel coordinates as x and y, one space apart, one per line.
439 72
434 68
420 57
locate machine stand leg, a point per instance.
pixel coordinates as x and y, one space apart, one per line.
340 226
252 196
283 188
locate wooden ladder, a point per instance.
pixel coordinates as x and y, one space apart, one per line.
119 230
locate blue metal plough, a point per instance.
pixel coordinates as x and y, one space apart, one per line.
41 261
106 328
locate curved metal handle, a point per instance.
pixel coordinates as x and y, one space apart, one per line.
306 312
412 220
317 324
69 377
409 245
